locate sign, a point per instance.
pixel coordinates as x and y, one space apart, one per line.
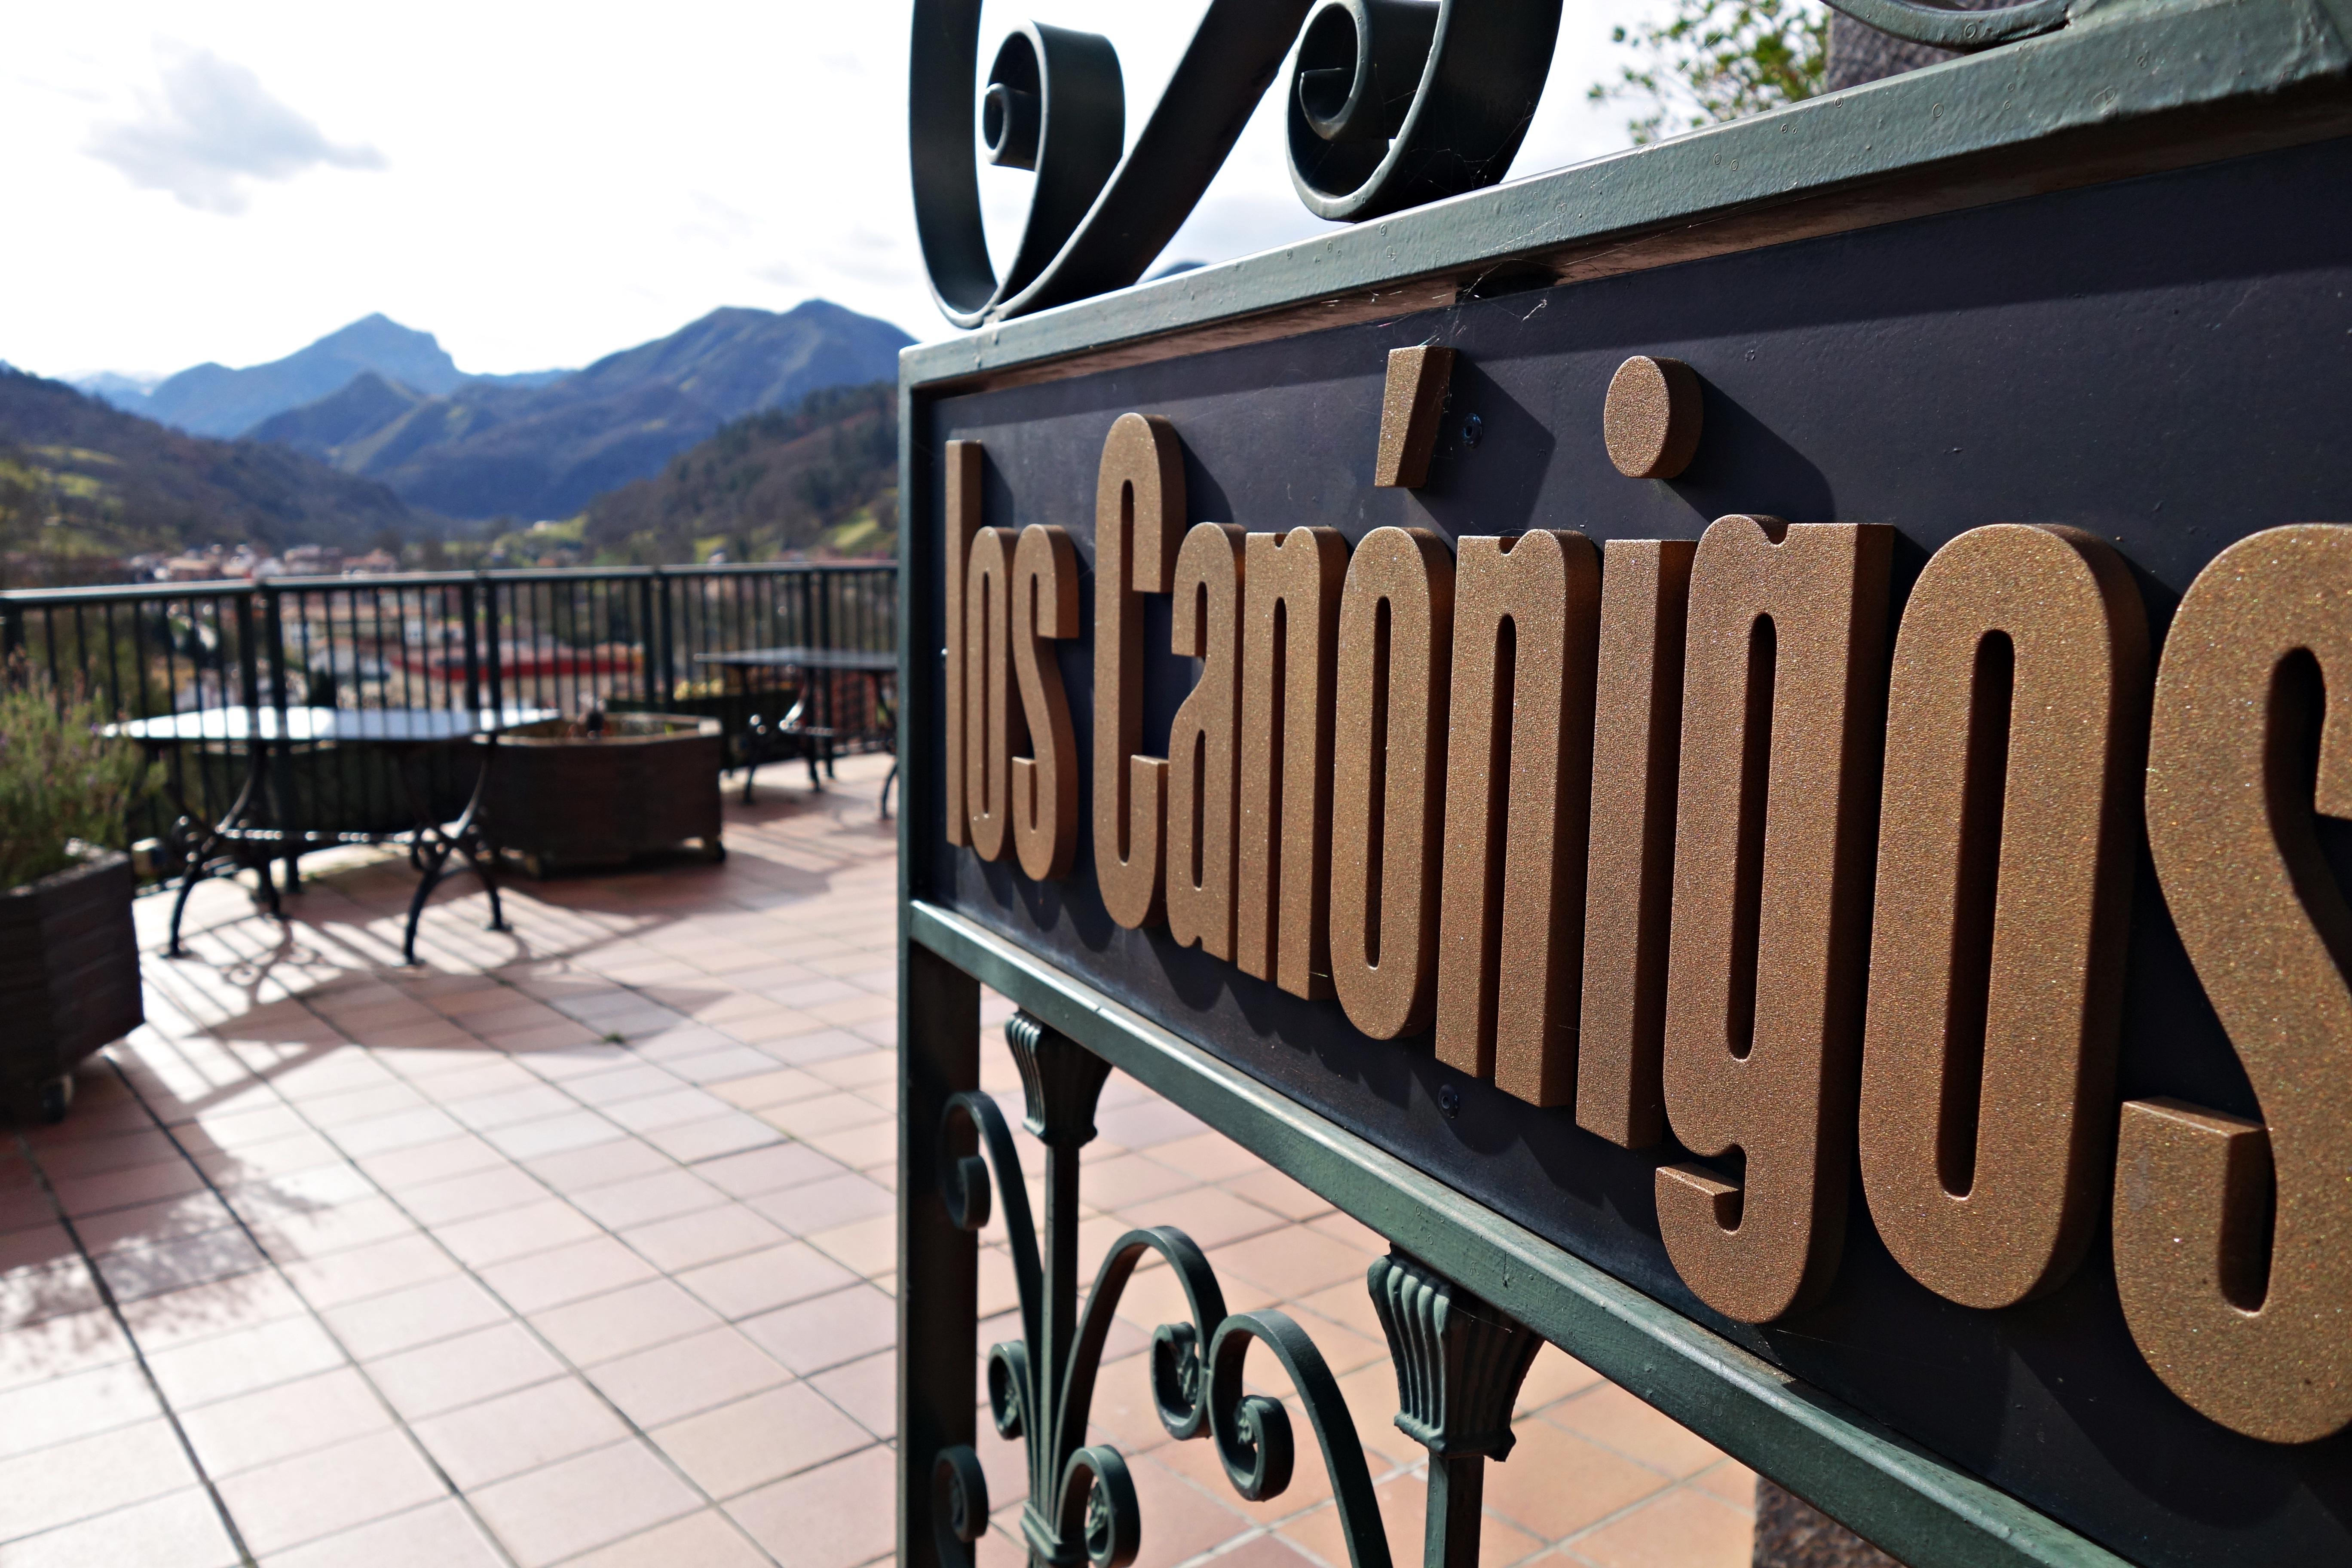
1814 779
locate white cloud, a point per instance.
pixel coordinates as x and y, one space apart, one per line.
213 128
564 177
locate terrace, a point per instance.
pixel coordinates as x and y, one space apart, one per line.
574 1245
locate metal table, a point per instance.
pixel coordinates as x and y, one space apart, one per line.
256 829
819 733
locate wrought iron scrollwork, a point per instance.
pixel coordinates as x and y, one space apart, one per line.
1459 1365
1398 102
1390 104
1082 1502
1945 26
1097 219
1393 103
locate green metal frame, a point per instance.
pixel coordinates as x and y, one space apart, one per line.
2127 86
1907 1500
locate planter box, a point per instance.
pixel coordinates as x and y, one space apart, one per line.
737 713
648 782
68 976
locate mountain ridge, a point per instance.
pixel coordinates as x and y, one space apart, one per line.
214 399
483 449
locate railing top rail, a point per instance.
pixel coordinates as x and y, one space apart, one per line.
118 593
124 592
819 568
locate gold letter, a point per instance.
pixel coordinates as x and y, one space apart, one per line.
1044 787
963 518
1203 785
2252 735
993 723
1637 733
1782 687
1411 404
1519 784
1396 640
2014 725
1139 512
1290 634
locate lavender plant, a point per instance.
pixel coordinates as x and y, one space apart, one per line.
62 779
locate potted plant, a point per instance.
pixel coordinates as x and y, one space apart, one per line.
69 953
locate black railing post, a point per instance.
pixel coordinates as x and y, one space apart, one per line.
668 652
287 814
821 592
648 664
11 630
491 627
248 696
468 608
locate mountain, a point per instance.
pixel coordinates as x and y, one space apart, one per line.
518 377
822 479
78 477
486 448
125 391
213 400
327 429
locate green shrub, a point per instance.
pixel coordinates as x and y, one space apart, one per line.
1714 60
60 778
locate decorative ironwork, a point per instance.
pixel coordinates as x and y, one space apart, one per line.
1947 26
1459 1365
1390 104
1082 1503
1393 103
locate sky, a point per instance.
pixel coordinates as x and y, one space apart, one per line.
537 184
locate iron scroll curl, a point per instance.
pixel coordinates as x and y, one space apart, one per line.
1097 219
1082 1501
1945 26
1390 104
1393 103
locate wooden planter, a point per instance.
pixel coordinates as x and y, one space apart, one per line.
69 978
648 782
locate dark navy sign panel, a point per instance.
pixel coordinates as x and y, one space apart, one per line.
2164 362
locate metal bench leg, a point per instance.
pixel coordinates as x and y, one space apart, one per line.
434 860
189 876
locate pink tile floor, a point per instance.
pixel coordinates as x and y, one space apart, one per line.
573 1245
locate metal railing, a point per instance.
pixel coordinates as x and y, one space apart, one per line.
567 640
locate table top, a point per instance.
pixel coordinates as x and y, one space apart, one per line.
386 726
858 659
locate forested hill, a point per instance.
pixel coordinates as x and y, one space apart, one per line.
820 479
78 477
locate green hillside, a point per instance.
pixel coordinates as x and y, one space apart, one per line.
84 483
820 480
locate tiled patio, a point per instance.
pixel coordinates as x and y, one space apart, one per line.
574 1246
